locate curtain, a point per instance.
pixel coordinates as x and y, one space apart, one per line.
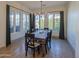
61 33
8 38
32 22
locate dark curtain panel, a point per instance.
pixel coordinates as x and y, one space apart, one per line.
32 22
61 33
8 39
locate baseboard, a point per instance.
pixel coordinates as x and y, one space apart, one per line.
17 39
56 37
71 45
2 46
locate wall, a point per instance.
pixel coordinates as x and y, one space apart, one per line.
73 26
20 34
52 9
2 23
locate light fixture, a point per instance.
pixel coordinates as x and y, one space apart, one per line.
41 7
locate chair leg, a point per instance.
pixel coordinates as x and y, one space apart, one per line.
38 50
50 43
43 51
33 52
26 49
46 48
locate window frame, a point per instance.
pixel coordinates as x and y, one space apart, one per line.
12 10
17 11
24 29
53 20
38 19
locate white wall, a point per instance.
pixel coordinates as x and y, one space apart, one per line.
52 9
73 26
20 34
2 24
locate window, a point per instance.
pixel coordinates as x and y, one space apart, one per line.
57 22
24 21
11 21
50 21
37 21
54 21
17 19
41 21
28 22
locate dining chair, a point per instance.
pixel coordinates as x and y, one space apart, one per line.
44 44
28 31
46 28
31 43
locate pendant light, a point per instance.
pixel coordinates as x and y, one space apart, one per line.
41 7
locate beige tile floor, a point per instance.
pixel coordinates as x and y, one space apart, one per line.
60 49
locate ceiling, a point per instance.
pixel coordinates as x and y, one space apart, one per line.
37 4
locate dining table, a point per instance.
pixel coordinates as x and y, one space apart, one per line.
41 34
